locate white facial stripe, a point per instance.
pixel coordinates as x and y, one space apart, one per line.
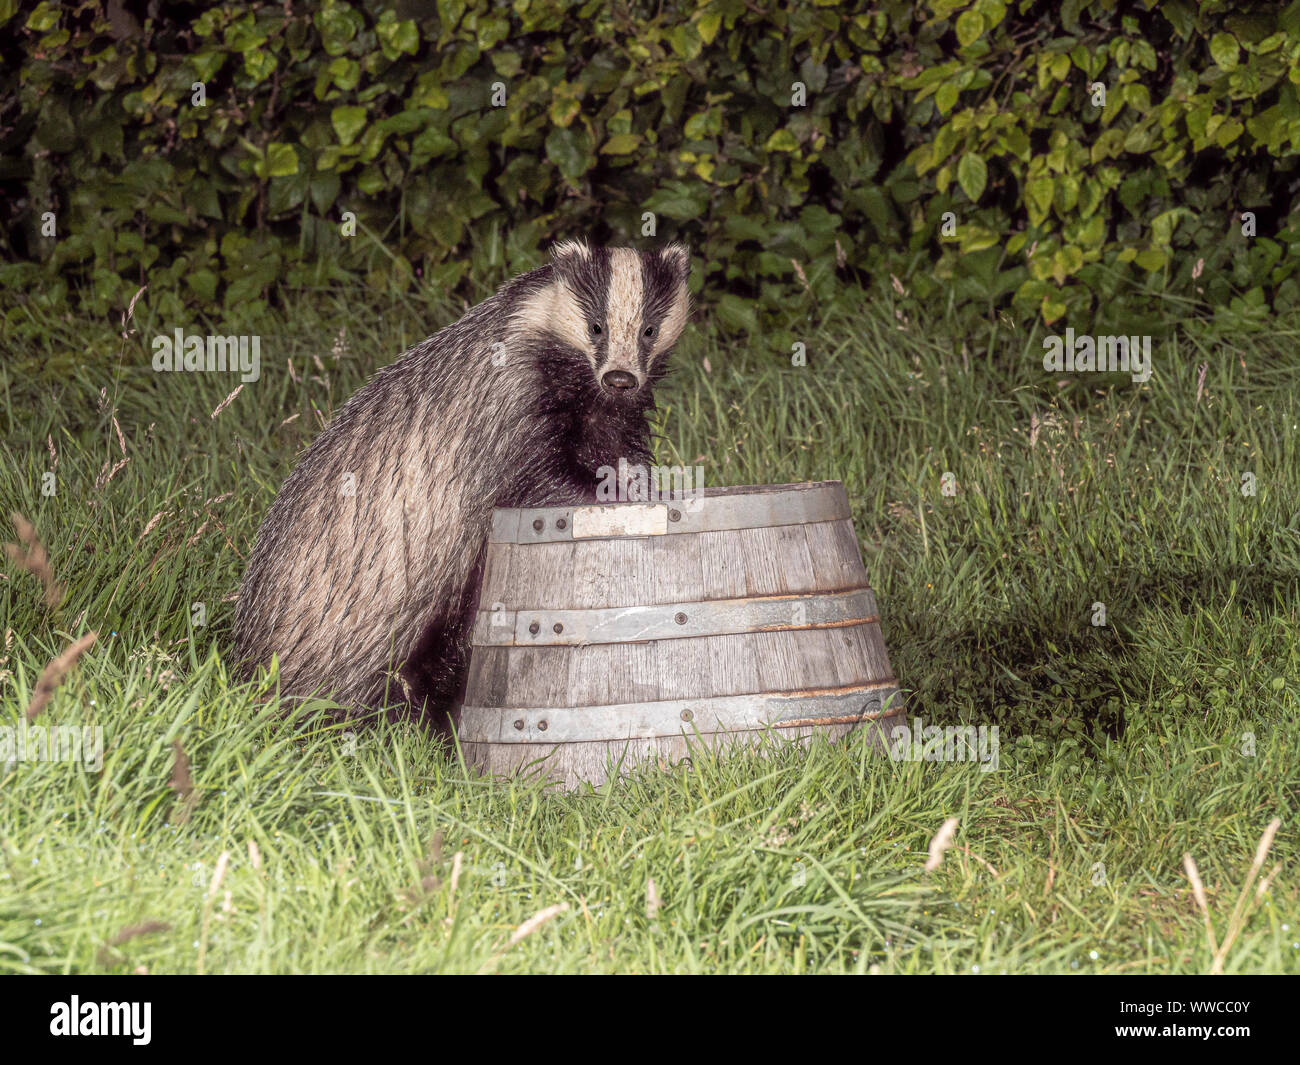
676 254
571 247
674 322
555 309
569 321
623 311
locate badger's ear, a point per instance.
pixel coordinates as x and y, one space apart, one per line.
677 256
570 251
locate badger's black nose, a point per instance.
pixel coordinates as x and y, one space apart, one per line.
619 381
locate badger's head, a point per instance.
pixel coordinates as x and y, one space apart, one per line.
617 311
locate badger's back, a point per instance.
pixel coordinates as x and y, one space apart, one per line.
385 515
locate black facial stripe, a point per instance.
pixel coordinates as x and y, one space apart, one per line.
599 301
659 288
588 280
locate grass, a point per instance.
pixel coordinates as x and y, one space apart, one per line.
300 847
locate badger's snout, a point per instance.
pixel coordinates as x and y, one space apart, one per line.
619 382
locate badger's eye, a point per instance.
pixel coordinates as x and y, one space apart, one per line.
650 331
595 328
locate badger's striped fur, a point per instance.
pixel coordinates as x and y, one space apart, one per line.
364 576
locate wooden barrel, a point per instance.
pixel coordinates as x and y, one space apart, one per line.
632 630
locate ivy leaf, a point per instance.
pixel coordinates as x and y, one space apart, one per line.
336 25
1163 225
1224 51
1066 263
430 144
970 24
972 176
565 148
684 40
944 8
345 72
259 64
679 201
45 17
324 190
976 238
1150 259
564 109
781 141
993 11
1040 190
348 122
708 27
281 160
429 93
621 144
1052 309
203 282
697 126
397 37
1092 232
1228 132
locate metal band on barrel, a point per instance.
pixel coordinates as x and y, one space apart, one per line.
718 617
672 717
710 513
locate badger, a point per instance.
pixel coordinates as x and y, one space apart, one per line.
364 575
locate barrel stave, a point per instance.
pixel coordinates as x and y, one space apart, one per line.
803 573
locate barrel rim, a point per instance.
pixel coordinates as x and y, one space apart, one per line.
717 510
759 489
709 492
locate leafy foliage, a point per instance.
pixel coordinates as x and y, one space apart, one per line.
799 151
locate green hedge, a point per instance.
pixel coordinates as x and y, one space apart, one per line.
981 113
